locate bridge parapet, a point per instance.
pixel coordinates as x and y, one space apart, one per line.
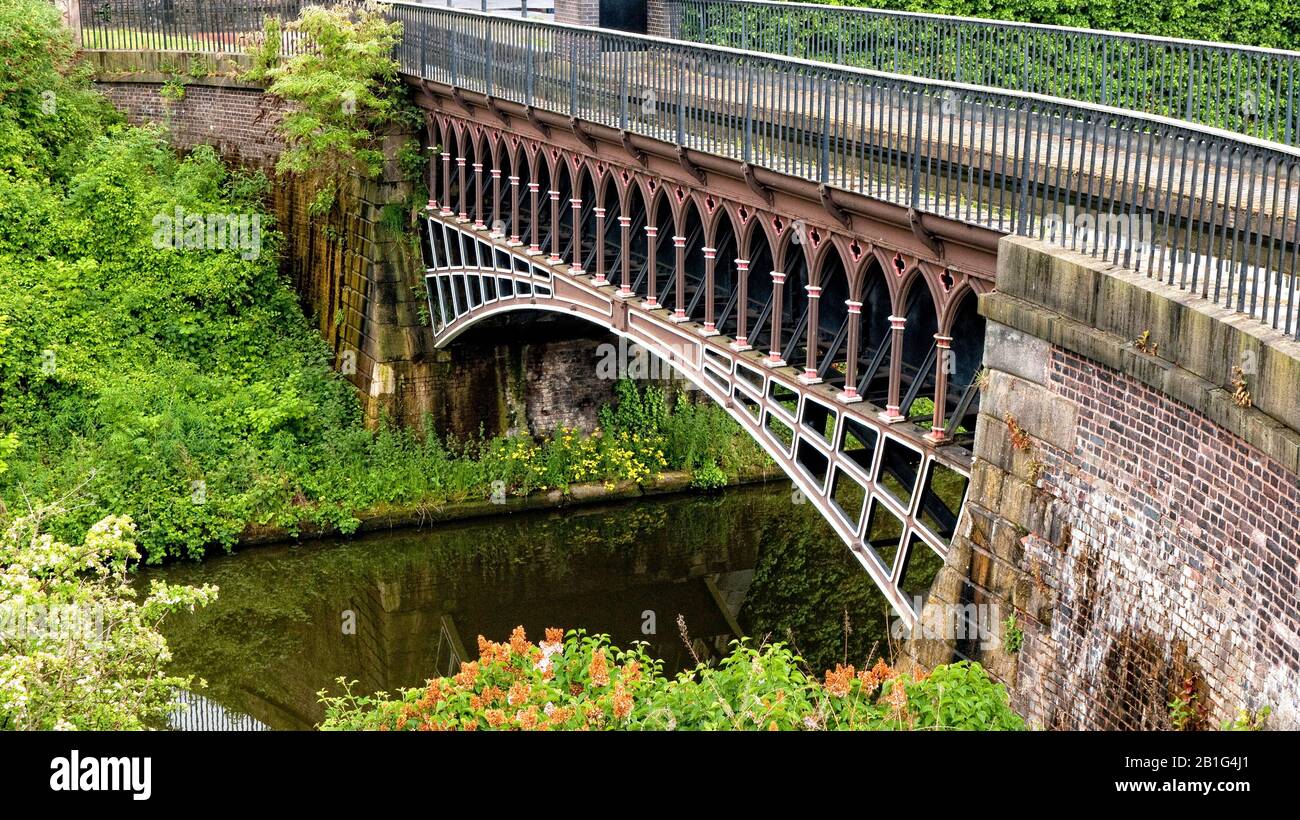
1134 503
1213 212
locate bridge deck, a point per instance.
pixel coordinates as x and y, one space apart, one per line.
1226 230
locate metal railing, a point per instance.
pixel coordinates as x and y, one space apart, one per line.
229 27
1209 211
181 25
1238 88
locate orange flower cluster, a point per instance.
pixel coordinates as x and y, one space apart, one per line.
877 675
519 642
838 683
622 701
598 670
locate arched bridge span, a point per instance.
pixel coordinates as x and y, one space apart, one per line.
888 494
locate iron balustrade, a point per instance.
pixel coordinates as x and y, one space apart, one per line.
1239 88
1203 209
182 25
227 27
1206 210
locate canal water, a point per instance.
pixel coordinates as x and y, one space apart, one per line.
392 610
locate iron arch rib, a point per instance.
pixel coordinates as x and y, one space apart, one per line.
843 461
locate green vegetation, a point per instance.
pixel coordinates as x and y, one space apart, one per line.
1013 637
343 90
1252 22
578 681
77 650
179 381
1248 720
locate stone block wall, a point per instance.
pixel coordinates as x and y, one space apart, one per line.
1144 536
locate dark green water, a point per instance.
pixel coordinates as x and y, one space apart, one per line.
747 561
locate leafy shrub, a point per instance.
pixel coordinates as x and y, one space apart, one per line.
343 88
1253 22
78 651
578 681
709 477
185 388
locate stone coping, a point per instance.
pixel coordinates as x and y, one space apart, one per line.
1098 310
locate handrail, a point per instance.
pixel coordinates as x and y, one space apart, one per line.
1018 24
1248 89
1201 208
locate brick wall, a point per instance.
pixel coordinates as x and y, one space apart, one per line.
239 121
1181 562
1140 543
578 12
658 19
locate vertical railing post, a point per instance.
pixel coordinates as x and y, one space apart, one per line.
600 247
710 256
896 325
774 347
534 244
529 72
652 264
555 257
679 281
573 75
514 241
747 149
810 363
623 91
487 58
625 254
824 172
850 392
681 105
575 264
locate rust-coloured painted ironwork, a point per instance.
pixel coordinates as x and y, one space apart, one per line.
818 334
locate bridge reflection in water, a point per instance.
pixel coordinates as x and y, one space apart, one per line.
749 561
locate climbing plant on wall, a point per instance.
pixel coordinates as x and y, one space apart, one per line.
344 89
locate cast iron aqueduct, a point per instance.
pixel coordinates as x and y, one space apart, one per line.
806 242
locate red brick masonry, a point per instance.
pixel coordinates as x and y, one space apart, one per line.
1181 558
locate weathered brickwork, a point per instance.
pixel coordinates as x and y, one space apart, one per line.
238 121
578 12
1140 527
1138 545
1176 558
658 19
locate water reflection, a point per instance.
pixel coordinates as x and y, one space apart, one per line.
392 610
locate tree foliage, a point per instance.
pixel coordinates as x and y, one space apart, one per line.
1271 23
77 649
